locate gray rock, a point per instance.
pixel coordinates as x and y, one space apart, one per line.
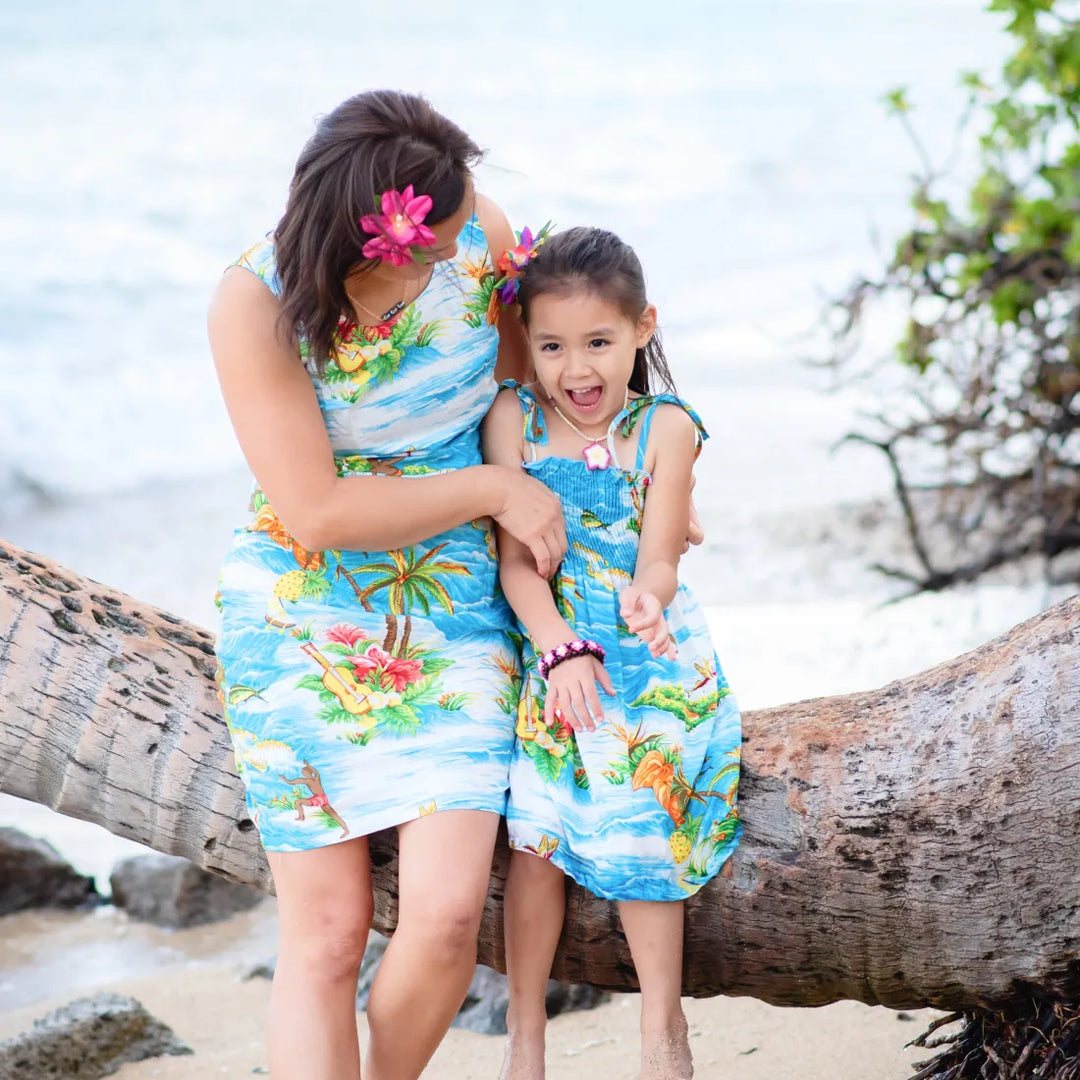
488 996
174 892
376 946
89 1038
484 1008
264 969
32 874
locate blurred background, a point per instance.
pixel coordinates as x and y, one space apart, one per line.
741 148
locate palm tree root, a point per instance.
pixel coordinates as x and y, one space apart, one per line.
1038 1042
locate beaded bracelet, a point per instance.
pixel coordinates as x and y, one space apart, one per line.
578 647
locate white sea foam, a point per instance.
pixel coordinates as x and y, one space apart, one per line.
744 155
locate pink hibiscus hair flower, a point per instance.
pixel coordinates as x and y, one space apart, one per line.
399 672
399 228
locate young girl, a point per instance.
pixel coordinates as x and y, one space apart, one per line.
627 757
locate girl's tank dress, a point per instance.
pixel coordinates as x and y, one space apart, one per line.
367 688
642 808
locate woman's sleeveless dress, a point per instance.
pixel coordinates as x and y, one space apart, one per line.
367 688
642 808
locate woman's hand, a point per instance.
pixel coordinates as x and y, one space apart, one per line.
533 515
571 688
644 617
695 534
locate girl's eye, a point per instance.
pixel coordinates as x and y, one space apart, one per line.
549 346
597 343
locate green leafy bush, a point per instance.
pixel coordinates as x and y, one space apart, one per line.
983 440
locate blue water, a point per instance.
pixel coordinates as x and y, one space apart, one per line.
740 146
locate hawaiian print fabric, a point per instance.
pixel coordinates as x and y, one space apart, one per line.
367 688
642 808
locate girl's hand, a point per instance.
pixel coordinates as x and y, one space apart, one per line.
572 687
532 514
645 617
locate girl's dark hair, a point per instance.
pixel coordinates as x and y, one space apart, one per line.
597 260
373 142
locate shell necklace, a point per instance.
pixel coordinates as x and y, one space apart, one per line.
595 453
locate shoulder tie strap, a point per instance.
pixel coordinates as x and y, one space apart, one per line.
534 428
643 409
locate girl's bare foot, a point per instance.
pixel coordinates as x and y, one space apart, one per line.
524 1058
665 1053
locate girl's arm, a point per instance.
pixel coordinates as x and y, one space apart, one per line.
663 530
572 683
275 413
513 360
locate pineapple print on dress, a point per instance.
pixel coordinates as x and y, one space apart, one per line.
290 588
375 667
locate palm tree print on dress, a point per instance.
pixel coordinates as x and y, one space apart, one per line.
407 580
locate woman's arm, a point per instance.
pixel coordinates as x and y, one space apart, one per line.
275 412
513 360
663 529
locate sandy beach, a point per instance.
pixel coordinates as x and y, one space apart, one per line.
204 998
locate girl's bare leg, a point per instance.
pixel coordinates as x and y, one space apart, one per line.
444 863
324 914
533 911
654 932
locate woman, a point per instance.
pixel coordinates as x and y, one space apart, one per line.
365 661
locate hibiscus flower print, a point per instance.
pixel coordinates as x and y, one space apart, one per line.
379 668
345 634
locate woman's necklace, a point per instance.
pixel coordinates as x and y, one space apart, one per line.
397 309
596 454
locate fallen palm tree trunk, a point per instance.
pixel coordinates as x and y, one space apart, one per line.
909 846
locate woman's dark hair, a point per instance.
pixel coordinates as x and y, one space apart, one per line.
373 142
597 260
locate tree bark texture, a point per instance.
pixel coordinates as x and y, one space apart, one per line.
909 846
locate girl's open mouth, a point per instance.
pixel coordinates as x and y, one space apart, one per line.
586 398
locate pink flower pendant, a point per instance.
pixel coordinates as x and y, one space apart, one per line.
596 455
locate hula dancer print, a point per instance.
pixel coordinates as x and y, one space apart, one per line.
317 800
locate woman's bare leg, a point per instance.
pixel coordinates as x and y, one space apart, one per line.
444 867
324 914
654 932
533 911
